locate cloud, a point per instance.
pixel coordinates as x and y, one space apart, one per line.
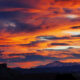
59 44
75 27
68 11
36 28
51 38
75 36
19 27
13 4
1 51
61 48
5 45
32 43
38 4
7 15
22 54
22 27
28 58
76 56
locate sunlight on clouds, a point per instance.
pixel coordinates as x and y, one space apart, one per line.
76 32
62 47
9 24
71 16
40 27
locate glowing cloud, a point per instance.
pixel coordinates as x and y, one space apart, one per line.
72 16
45 28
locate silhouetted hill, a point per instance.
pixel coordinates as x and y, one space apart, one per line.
35 73
57 64
7 73
55 67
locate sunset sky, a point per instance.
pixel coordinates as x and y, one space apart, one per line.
38 32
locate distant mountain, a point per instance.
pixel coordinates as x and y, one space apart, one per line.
54 67
57 64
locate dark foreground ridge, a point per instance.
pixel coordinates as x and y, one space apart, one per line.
30 74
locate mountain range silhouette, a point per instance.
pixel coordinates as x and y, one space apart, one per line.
58 64
52 72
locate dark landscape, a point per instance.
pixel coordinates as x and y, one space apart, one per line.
67 72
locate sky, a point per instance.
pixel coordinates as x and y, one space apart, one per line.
38 32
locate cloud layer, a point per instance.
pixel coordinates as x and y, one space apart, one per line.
37 32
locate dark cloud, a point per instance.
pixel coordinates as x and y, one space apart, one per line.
51 37
14 4
72 56
75 27
66 10
19 27
33 58
32 43
4 15
1 55
75 36
22 27
1 51
76 55
70 48
28 57
14 17
59 44
22 54
5 45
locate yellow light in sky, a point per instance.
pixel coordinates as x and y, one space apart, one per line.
62 47
71 16
72 32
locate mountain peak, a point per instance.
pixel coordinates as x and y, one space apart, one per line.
58 64
54 64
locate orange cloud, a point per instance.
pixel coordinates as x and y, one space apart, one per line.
32 26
